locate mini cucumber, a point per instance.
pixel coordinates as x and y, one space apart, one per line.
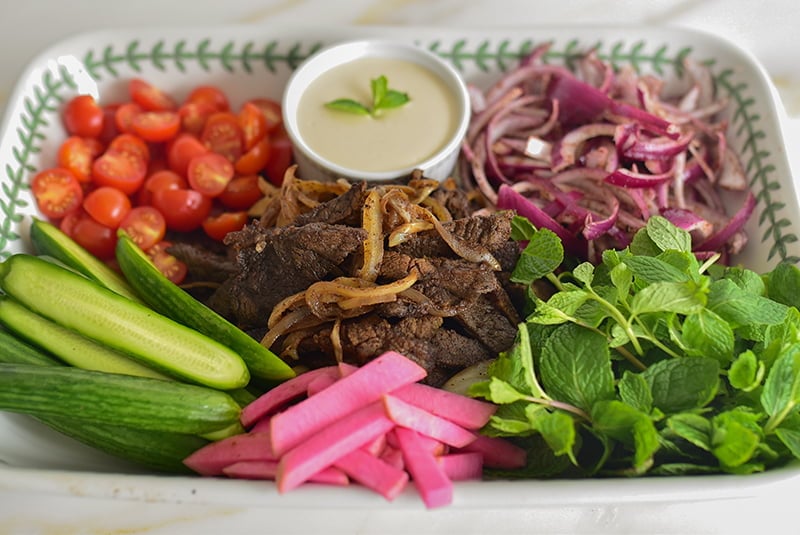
15 351
96 312
157 450
162 451
68 345
113 399
47 239
170 300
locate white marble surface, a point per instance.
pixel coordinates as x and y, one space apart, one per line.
766 29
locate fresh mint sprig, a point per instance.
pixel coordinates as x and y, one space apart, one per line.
649 362
383 99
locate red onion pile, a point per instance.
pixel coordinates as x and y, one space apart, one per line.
592 153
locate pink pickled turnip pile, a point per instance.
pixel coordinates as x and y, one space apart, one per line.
375 425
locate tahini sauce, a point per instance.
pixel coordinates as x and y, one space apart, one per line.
398 138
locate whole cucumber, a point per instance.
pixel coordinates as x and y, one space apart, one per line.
114 399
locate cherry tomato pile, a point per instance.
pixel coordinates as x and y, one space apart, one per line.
153 165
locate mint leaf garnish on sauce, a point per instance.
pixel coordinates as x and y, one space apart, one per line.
383 98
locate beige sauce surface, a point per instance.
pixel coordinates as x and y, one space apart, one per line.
398 138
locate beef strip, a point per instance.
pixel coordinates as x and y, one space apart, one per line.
455 200
491 231
202 262
275 263
342 210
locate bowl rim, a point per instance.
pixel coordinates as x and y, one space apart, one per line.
354 49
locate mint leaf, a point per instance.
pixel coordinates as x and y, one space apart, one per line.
683 384
500 392
679 297
781 391
667 236
514 367
576 366
783 284
348 105
543 254
643 245
739 308
511 420
383 98
379 86
629 426
652 269
748 280
558 430
735 437
584 272
392 99
634 390
746 371
521 228
622 278
789 434
693 428
707 334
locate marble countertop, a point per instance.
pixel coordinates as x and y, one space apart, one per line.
765 29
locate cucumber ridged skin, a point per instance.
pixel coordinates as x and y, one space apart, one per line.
69 346
96 312
15 351
172 301
162 451
113 399
47 239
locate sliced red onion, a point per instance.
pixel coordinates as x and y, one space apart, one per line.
637 146
626 178
733 227
565 152
508 199
699 228
593 155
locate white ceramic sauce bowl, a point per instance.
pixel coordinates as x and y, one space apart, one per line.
313 166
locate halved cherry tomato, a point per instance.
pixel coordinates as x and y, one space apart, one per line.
164 179
77 154
145 225
83 117
194 116
167 264
124 116
181 150
280 157
120 170
254 160
108 206
57 192
95 237
223 135
131 145
150 97
253 123
209 94
219 226
271 110
209 173
156 126
183 209
241 193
